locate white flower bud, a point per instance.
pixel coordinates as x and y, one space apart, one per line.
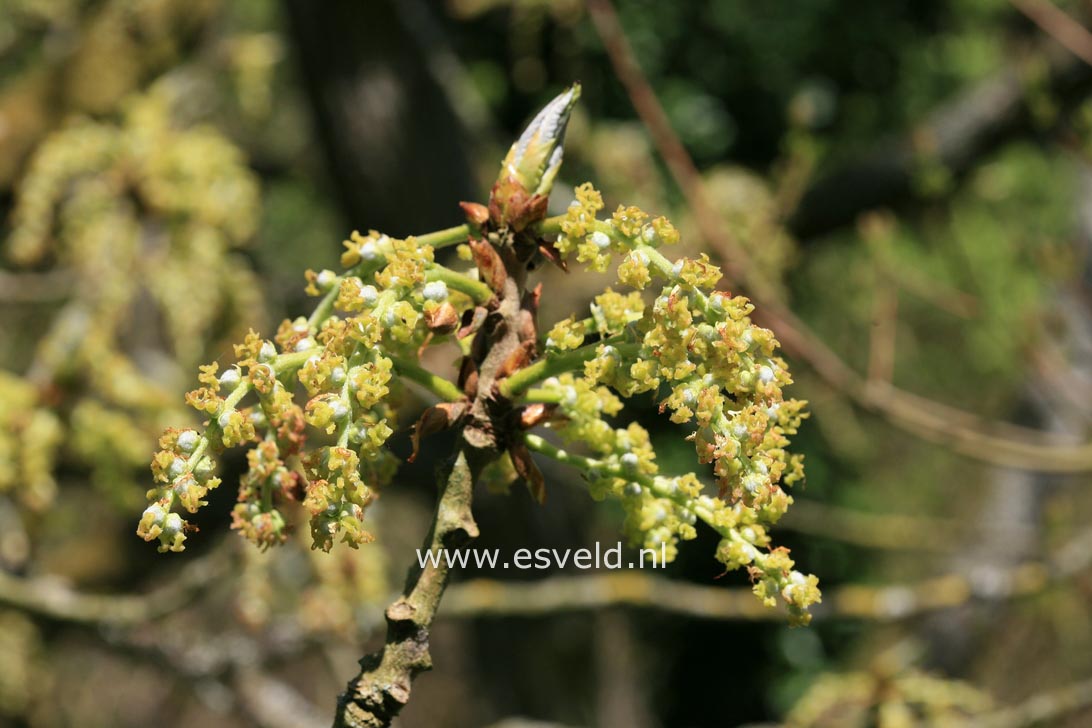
369 294
230 378
753 482
765 374
435 291
305 343
568 395
157 512
601 240
176 468
369 251
172 525
267 352
632 489
203 470
187 441
325 280
630 461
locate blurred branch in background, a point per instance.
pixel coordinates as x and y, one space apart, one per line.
1049 705
237 665
893 531
27 287
958 135
1056 23
487 597
1041 708
963 432
55 600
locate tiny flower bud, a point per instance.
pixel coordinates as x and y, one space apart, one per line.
601 240
177 467
267 352
154 515
435 291
369 295
230 378
188 439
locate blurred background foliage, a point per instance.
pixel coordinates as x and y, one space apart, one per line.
911 179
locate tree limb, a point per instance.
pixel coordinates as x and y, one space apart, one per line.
489 597
957 135
55 600
382 688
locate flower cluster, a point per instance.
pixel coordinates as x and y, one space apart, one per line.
135 208
325 447
696 349
909 698
29 438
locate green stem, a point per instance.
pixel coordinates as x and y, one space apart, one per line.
324 308
550 225
554 364
434 383
659 488
357 356
444 238
477 290
546 396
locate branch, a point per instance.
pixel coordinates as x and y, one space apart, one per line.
382 688
957 135
1042 708
55 600
996 443
492 598
896 532
35 287
1056 23
553 364
434 383
478 291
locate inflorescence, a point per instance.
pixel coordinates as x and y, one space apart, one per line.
692 347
